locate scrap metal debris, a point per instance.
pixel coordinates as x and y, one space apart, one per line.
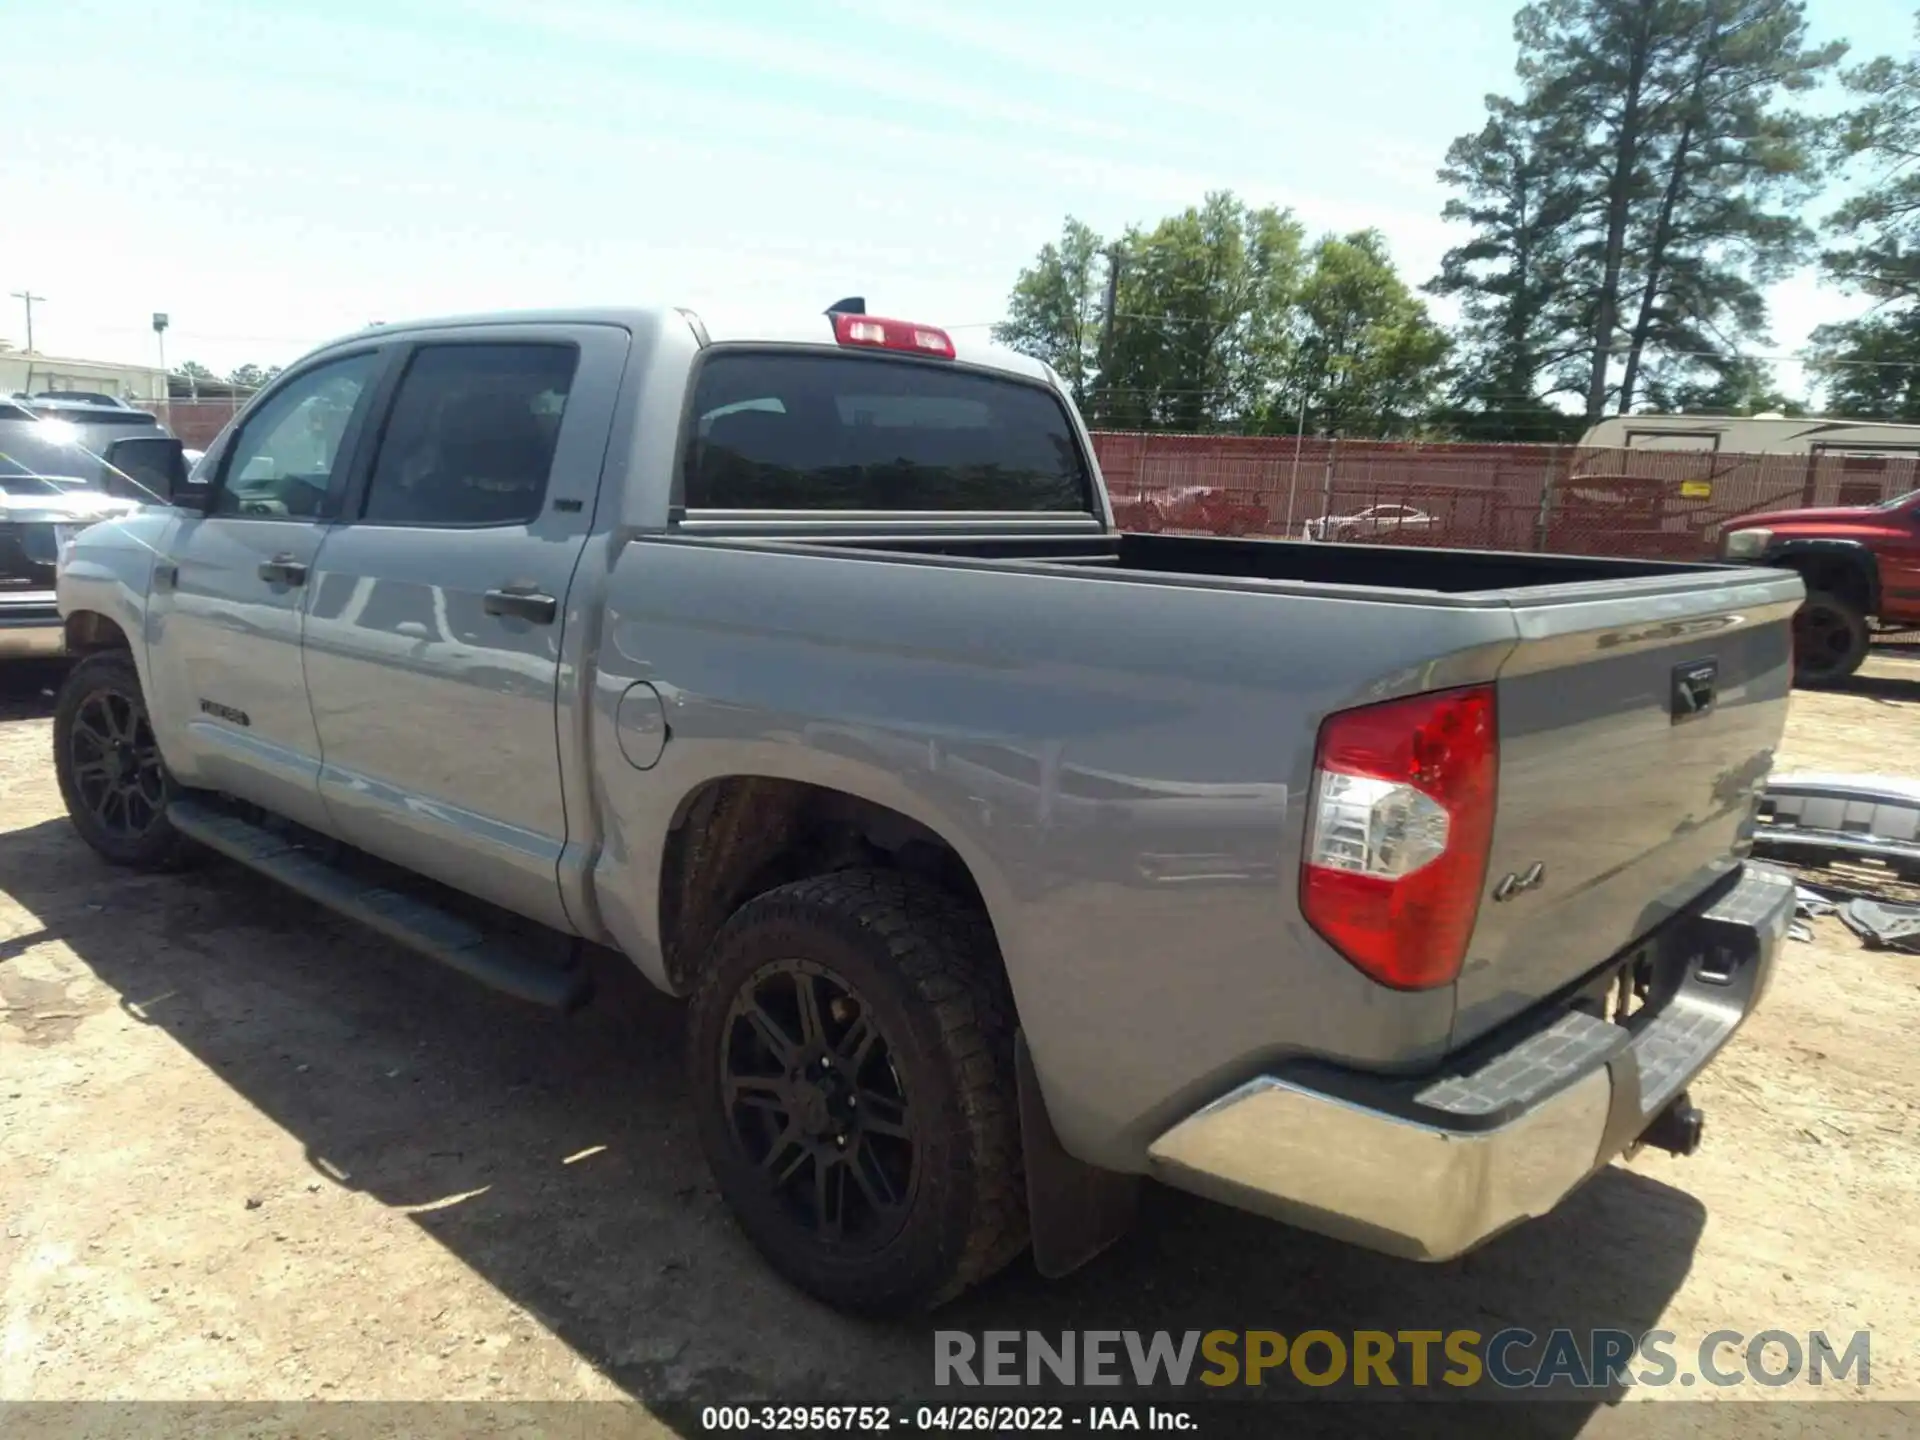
1814 819
1883 926
1818 820
1811 904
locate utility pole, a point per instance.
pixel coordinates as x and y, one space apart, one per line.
1106 324
28 298
1299 440
1113 298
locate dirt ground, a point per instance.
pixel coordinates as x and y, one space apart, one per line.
249 1152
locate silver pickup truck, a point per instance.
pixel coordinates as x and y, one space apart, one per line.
1006 859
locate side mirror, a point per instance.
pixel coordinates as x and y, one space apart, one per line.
153 469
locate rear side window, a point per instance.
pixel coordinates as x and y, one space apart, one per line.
471 436
835 433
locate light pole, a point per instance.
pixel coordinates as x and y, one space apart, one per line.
160 339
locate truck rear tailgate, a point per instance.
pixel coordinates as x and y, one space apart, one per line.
1636 732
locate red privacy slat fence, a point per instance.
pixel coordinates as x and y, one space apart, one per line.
1656 504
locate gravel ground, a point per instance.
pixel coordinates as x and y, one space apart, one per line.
248 1152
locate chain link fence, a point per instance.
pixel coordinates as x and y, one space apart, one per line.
196 422
1652 504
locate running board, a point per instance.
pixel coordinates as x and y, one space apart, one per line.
416 923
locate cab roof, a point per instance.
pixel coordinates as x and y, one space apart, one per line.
788 328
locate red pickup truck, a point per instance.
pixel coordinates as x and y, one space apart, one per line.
1861 564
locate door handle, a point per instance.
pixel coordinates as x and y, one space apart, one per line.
283 569
522 603
166 575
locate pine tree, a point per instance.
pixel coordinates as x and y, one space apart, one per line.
1871 366
1519 324
1655 135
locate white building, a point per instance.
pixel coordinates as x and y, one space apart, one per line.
28 372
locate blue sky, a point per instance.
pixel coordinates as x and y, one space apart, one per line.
273 174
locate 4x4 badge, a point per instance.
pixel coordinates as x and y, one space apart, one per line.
1527 879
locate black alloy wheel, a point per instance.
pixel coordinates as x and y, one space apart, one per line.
108 763
816 1104
116 764
850 1065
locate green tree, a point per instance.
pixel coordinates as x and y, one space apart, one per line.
1367 357
1518 329
1734 168
1222 318
1871 366
193 370
1662 145
1203 319
251 376
1738 386
1055 311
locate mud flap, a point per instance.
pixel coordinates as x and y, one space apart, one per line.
1075 1210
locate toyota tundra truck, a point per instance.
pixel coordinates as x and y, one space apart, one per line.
1005 859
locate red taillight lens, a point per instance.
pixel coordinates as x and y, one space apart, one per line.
1396 855
882 334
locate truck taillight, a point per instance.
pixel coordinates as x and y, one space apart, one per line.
881 334
1396 854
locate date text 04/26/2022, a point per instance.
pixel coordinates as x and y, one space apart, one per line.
976 1419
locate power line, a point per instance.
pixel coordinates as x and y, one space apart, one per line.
208 335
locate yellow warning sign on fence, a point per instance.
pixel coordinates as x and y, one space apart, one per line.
1696 489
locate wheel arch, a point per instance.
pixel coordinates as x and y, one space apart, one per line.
90 631
1845 569
737 835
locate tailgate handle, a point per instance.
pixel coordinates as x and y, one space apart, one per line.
1693 685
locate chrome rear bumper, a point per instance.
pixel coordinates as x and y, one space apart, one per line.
1432 1167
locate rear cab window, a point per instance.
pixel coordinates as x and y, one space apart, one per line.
34 453
817 431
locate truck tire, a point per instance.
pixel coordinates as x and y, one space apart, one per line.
1829 640
850 1058
115 785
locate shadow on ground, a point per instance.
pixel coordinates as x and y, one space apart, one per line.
28 687
415 1086
1901 689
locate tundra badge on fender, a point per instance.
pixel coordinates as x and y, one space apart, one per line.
225 712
